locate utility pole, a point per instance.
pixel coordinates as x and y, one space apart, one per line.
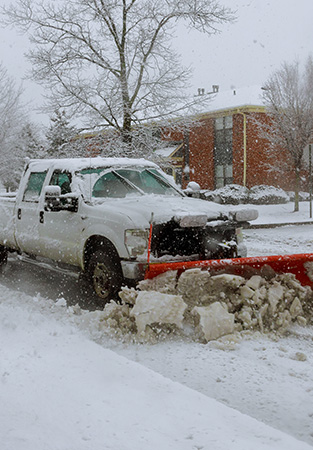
310 178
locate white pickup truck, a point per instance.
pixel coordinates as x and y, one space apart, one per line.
94 214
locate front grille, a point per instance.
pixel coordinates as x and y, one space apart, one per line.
201 243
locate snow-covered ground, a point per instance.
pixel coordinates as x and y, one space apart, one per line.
282 213
66 383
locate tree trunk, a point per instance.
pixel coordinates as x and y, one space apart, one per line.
126 131
297 189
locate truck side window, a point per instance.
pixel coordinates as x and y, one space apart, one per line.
34 186
62 179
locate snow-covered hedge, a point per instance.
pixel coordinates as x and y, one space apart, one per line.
303 196
234 194
260 195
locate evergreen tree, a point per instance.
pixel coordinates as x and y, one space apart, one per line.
59 135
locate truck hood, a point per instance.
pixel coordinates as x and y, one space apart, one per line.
138 209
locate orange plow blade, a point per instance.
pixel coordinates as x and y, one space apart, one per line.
296 264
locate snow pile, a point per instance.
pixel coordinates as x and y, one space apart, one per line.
205 307
235 194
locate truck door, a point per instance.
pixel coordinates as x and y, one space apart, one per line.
28 214
60 231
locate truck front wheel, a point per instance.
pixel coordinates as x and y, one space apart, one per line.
104 275
3 256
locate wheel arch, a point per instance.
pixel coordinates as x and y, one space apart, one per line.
98 242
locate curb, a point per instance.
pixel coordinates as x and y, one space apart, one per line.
276 225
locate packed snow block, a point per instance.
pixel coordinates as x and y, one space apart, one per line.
254 282
296 308
153 307
225 288
164 283
128 295
227 280
246 292
245 317
275 295
194 286
214 321
283 320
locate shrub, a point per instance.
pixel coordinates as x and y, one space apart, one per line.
232 194
267 195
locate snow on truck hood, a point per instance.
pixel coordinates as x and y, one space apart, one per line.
189 211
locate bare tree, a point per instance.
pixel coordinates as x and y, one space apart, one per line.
111 60
12 116
288 96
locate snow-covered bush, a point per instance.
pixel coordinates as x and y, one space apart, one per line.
267 195
232 194
210 196
303 196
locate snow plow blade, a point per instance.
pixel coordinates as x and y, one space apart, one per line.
301 265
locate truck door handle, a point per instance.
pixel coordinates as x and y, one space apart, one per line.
19 213
41 216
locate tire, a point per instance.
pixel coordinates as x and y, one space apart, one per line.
3 256
103 278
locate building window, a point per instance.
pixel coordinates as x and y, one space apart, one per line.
223 151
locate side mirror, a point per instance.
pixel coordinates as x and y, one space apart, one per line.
193 186
52 198
193 189
55 201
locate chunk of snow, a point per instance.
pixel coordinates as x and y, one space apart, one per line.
214 321
61 302
254 282
154 307
233 281
275 294
296 308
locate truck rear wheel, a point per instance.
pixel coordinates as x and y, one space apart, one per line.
104 277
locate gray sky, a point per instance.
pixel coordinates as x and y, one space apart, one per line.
243 54
246 53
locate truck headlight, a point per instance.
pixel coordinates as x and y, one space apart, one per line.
136 241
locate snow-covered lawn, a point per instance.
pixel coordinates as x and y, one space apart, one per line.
282 213
67 384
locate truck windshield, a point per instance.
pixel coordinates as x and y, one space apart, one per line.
120 182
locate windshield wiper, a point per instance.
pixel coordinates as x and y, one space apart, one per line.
127 182
165 182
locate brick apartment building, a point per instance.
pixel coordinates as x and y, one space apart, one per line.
224 146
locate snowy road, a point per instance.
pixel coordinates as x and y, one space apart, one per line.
281 240
260 377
